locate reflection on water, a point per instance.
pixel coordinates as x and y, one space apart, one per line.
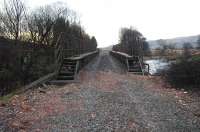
157 65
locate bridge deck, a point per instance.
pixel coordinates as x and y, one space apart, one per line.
79 57
104 100
122 54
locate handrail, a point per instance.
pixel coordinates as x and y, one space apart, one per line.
79 60
125 57
59 56
77 68
127 64
38 81
81 56
141 65
148 67
122 54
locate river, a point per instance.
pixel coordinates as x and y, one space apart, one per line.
157 65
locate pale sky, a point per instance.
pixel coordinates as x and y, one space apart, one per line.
155 19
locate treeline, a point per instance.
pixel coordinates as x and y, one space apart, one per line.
43 25
185 72
132 42
28 37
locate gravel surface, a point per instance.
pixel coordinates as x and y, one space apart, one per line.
107 99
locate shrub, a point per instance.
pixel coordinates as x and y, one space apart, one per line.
19 67
6 79
185 73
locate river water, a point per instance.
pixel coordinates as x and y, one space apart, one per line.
157 65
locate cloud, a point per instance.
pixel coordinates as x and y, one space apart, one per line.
154 18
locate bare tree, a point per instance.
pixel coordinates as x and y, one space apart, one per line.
146 48
12 17
32 28
73 17
2 30
42 20
131 40
163 46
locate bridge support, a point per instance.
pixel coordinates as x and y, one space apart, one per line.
70 67
133 63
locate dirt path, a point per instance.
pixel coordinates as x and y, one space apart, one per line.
106 99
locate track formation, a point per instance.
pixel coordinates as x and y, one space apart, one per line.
105 99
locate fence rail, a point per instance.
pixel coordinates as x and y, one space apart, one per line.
125 58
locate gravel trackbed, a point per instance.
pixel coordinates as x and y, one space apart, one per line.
106 99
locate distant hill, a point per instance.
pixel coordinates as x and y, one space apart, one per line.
108 48
153 44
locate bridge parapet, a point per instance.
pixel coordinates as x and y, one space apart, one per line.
71 66
134 64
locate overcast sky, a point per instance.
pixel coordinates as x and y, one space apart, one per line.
155 19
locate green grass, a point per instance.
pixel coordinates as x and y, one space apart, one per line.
7 97
196 58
